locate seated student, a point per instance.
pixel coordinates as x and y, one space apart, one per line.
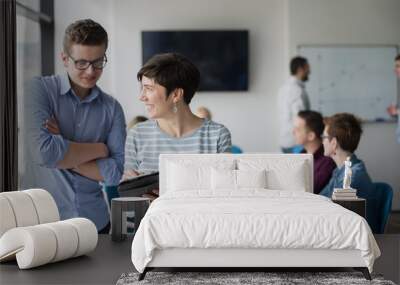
307 131
203 112
340 139
136 120
169 81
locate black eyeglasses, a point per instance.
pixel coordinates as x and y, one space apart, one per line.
83 64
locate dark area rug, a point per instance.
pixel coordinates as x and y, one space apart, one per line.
229 278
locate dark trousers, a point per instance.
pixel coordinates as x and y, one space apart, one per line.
105 230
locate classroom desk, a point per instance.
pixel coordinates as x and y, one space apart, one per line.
110 259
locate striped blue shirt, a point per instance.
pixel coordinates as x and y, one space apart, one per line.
146 141
97 118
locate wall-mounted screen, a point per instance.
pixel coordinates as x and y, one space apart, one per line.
221 56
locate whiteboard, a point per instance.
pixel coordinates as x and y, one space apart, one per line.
354 79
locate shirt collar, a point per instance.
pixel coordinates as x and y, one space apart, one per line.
295 80
320 152
353 159
66 87
65 84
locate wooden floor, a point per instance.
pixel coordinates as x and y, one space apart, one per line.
389 243
388 263
393 225
110 260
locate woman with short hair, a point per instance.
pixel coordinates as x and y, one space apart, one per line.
168 84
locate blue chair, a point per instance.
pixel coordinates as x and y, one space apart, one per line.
236 149
384 195
297 148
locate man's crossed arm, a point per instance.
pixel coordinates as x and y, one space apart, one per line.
80 157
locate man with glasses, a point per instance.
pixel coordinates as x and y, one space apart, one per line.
76 131
341 136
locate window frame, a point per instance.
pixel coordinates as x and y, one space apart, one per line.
45 18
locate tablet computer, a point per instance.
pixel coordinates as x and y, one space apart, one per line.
139 185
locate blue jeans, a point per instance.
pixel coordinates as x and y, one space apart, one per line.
111 192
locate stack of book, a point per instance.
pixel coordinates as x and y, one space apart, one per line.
344 194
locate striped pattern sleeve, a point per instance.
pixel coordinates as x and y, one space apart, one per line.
131 162
224 141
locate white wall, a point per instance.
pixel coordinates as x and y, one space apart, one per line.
249 115
125 19
355 22
66 12
276 28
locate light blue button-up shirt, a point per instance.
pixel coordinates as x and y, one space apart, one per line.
97 118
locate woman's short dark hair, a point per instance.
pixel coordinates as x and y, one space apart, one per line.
296 63
172 70
84 32
314 122
397 57
346 128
